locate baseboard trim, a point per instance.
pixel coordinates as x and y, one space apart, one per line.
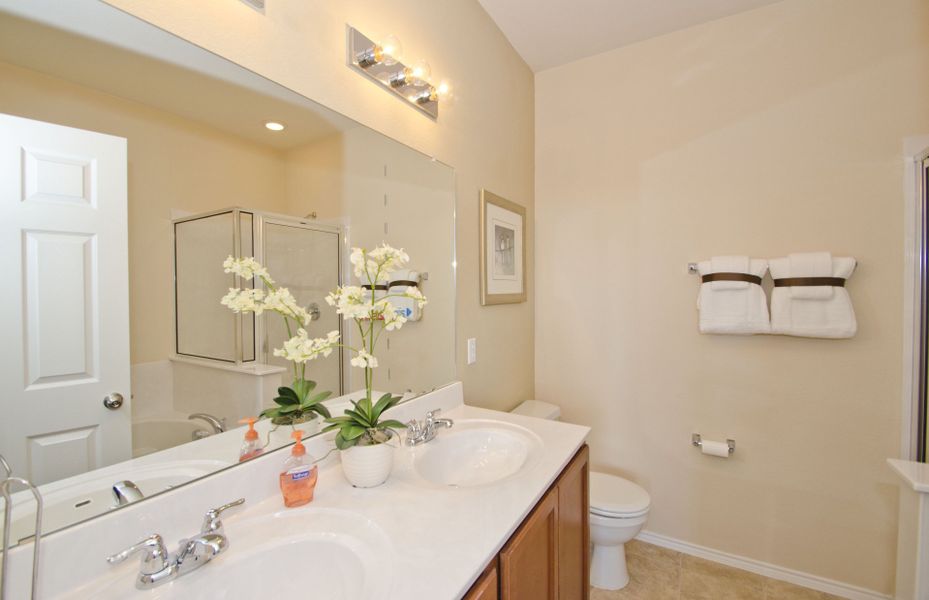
815 582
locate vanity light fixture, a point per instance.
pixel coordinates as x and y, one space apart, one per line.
274 126
382 62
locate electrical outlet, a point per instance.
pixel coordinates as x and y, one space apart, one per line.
472 351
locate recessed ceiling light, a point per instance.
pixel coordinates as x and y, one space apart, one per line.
274 126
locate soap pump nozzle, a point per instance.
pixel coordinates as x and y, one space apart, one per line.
299 449
251 434
250 446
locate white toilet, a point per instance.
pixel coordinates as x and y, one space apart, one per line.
618 510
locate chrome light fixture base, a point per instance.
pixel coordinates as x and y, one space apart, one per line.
362 58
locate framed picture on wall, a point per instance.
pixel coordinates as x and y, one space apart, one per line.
503 250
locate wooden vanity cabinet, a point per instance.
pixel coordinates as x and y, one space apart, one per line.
548 558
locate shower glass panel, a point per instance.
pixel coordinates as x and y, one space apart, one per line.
205 328
305 260
302 256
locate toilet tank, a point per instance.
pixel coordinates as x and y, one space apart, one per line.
538 409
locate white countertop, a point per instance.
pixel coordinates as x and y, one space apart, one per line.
915 474
441 538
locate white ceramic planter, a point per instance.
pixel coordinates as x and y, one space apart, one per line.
367 466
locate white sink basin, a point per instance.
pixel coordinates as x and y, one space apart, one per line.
476 452
294 553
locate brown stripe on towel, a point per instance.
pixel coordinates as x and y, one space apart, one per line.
809 281
732 277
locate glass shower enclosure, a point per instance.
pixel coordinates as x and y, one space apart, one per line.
301 255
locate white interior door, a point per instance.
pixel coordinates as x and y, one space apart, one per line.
64 314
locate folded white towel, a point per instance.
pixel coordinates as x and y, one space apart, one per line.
729 264
741 310
811 264
830 317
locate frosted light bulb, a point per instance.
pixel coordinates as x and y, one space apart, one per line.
391 50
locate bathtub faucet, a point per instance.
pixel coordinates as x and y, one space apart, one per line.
218 425
126 492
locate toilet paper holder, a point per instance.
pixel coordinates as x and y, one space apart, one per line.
697 441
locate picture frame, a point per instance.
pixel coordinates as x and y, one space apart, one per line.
503 250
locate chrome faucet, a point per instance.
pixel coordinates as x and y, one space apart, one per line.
158 566
419 433
218 425
125 492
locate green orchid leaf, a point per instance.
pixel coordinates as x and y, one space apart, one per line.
331 427
351 432
340 419
315 399
286 391
286 396
364 407
321 409
381 405
359 418
286 410
302 387
391 424
343 444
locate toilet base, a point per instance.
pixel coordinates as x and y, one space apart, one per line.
608 567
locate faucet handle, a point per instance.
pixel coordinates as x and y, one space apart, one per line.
430 416
154 555
211 522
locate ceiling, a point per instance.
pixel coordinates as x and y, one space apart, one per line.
549 33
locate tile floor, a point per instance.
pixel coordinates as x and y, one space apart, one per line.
660 574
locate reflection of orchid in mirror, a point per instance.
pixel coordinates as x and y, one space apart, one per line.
294 404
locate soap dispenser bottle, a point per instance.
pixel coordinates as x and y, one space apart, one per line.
251 447
298 478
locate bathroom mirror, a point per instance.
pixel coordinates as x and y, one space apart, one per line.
108 359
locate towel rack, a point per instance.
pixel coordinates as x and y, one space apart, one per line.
7 523
693 270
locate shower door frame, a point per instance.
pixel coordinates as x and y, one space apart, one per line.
915 406
922 334
258 237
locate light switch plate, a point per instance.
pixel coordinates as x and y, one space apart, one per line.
472 351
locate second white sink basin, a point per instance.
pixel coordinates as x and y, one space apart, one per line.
477 452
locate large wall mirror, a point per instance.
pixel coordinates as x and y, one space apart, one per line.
132 167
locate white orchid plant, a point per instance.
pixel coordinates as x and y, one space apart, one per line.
296 403
373 314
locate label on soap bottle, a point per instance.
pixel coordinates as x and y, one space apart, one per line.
298 473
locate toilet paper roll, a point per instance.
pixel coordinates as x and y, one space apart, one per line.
720 449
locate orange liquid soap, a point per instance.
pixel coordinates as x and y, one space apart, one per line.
298 479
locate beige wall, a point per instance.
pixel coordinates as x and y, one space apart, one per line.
174 163
774 131
487 136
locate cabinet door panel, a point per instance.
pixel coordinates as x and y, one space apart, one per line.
485 588
529 561
574 529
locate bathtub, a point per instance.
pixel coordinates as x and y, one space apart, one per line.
152 435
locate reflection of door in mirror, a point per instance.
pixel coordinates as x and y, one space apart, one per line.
65 318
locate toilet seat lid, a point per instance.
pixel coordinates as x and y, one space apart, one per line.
615 496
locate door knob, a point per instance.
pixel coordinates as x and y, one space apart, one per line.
113 401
